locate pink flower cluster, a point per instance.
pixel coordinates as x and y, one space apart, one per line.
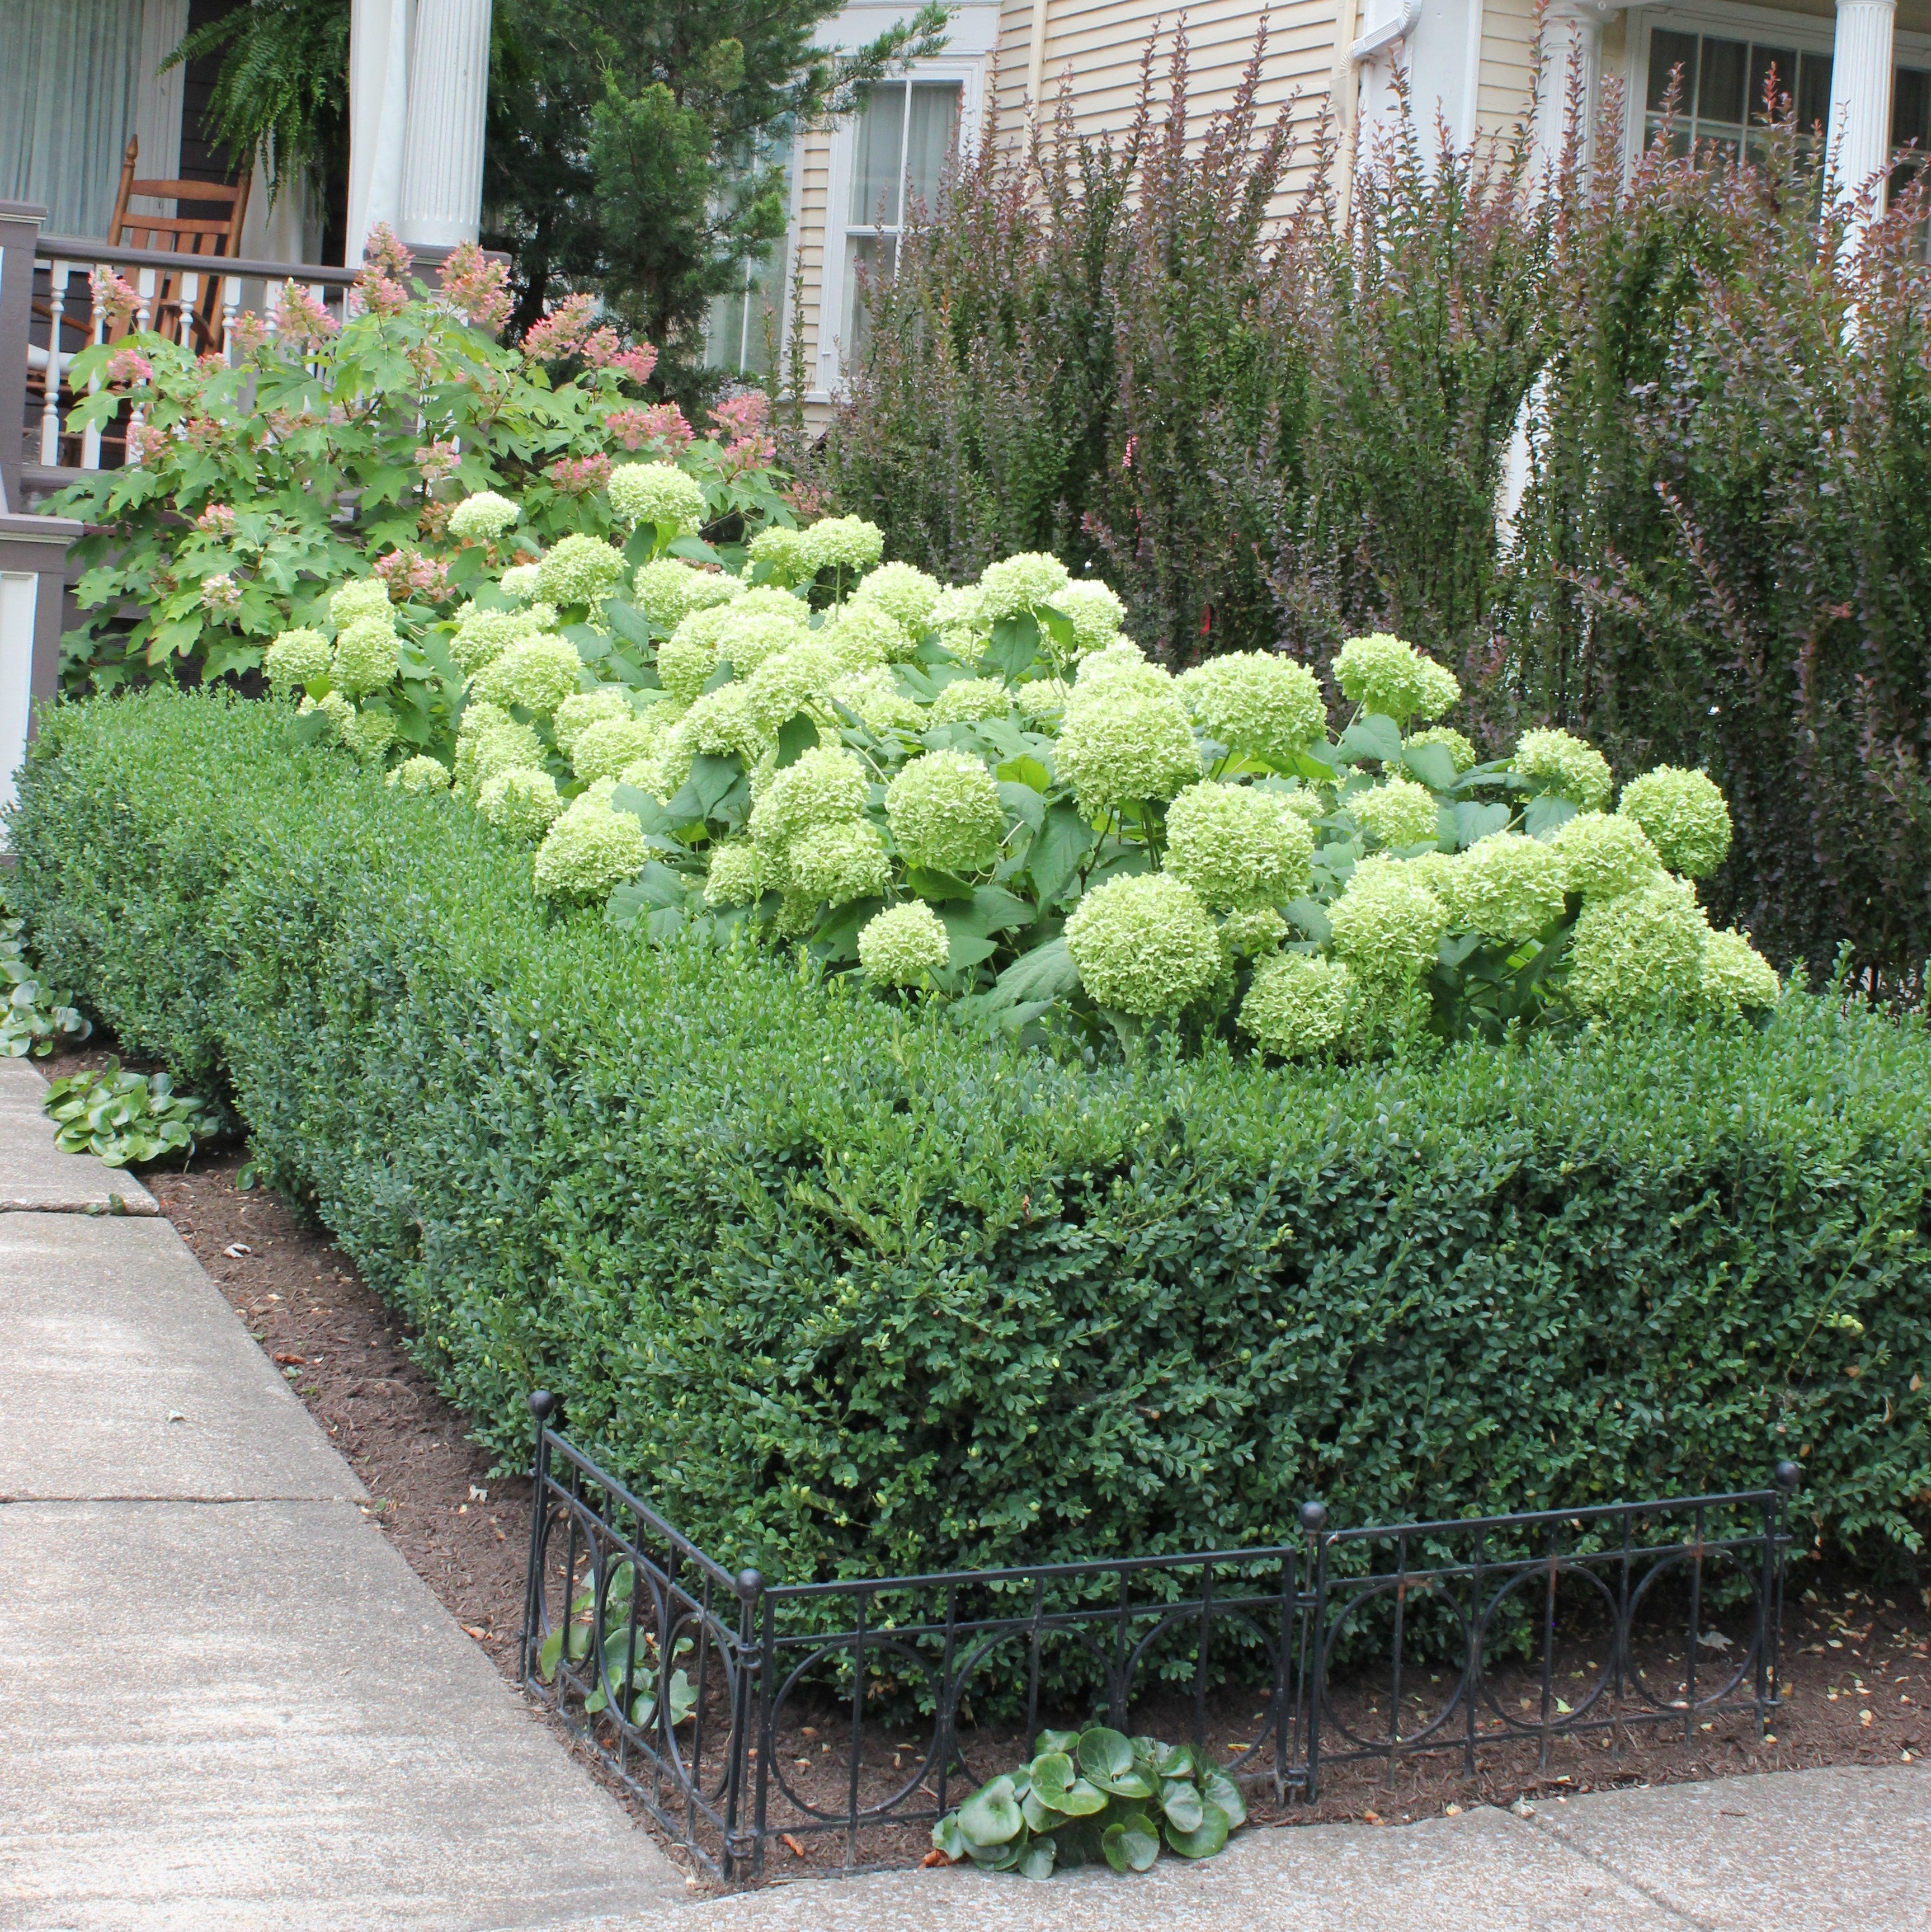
379 282
249 331
301 318
127 369
113 297
579 475
661 425
572 329
410 570
221 595
217 520
745 422
436 460
144 439
476 287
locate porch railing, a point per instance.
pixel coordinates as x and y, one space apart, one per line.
50 313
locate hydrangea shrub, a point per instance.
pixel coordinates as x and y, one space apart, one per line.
987 793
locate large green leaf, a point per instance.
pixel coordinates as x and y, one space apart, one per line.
795 736
1036 1860
1053 1776
1544 813
1182 1803
1105 1753
1131 1845
1000 910
1024 803
1201 1840
710 783
1015 644
1474 822
991 1816
1373 736
1058 852
1220 1790
1433 764
1046 972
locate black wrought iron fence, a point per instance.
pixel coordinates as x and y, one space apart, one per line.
742 1712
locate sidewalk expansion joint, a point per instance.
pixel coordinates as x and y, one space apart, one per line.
1661 1900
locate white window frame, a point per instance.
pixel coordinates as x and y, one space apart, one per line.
969 70
784 246
1804 32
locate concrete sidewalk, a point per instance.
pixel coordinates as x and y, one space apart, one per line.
225 1701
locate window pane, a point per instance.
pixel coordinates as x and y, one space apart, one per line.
1719 87
724 332
762 306
1813 91
1668 51
928 137
877 155
873 255
1765 64
1911 109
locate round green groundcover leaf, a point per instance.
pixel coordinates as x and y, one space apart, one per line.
1205 1839
991 1816
1131 1844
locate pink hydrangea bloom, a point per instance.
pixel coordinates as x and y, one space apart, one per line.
579 475
562 330
217 519
385 254
221 595
476 287
301 318
661 426
249 331
636 362
746 415
143 440
436 460
411 570
114 297
127 369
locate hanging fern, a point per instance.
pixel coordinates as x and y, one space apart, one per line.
283 90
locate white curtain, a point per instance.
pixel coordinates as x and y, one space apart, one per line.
69 77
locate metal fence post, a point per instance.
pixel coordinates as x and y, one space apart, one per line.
543 1405
750 1588
1314 1522
1770 1651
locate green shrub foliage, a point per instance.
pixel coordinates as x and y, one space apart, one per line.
844 1288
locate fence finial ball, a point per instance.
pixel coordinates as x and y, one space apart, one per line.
1789 1475
1313 1517
751 1585
542 1405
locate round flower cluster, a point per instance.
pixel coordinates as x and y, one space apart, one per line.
1386 923
538 673
799 678
521 803
590 848
1297 1005
360 597
1381 674
1144 945
970 700
944 812
1505 886
481 635
657 493
667 589
835 863
1256 703
367 655
824 784
1238 847
611 746
902 591
1027 582
519 581
900 945
1565 766
580 569
297 658
489 740
1248 931
1094 610
1460 749
1601 856
482 518
1396 812
582 708
370 734
1736 977
866 636
840 543
1685 815
1636 954
878 703
1127 738
421 774
779 552
736 877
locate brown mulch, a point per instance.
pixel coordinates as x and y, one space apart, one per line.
1858 1662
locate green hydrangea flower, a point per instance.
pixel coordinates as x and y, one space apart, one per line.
822 787
759 626
1237 847
1565 766
296 658
1397 812
605 748
797 679
1632 955
838 862
960 611
656 493
360 597
880 702
738 875
667 589
719 725
1122 662
520 801
421 774
537 672
1126 737
1603 855
1381 674
1309 802
1255 702
970 700
1459 748
481 635
1297 1005
481 518
944 811
1737 978
900 945
333 706
904 592
1248 933
1386 923
864 637
1021 583
589 849
582 708
519 581
1506 886
489 740
580 569
1094 610
1144 945
687 657
369 734
1684 815
847 543
367 656
784 553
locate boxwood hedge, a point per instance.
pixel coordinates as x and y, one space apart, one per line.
845 1287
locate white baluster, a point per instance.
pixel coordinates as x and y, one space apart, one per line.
186 307
272 293
231 304
90 440
144 309
50 408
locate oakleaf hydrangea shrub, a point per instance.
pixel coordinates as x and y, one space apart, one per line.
986 794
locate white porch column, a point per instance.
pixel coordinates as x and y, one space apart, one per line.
442 155
1572 39
1860 91
378 49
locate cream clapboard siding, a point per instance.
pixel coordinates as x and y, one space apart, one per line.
1504 90
814 163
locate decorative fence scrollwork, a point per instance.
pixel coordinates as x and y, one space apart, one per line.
693 1684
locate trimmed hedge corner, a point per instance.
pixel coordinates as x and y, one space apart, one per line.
846 1289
